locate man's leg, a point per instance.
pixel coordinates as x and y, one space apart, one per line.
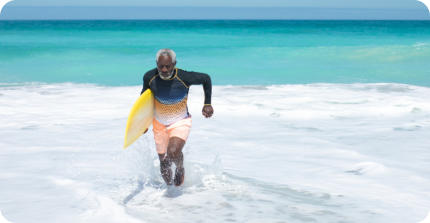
174 153
161 139
166 171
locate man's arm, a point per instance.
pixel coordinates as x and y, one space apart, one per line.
145 84
146 79
196 78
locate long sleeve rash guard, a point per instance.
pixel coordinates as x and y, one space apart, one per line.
171 95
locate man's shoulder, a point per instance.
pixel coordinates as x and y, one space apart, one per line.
181 71
188 73
150 73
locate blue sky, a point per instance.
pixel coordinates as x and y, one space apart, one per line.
228 3
217 9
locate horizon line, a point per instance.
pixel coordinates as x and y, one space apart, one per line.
266 7
220 19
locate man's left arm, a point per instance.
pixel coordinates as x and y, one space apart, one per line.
196 78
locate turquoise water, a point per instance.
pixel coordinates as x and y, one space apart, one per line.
232 52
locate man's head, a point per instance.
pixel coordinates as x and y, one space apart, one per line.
166 61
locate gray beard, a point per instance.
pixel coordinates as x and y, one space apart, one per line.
168 77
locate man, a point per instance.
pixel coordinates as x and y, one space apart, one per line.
172 121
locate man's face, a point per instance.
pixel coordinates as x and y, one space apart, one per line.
165 65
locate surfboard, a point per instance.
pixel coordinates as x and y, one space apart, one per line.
140 117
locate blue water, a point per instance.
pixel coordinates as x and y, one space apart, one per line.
232 52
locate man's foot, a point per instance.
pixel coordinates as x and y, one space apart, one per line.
179 176
166 171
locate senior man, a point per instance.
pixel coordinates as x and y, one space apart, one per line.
172 121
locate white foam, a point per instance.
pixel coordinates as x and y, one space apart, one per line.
108 211
319 152
371 168
99 208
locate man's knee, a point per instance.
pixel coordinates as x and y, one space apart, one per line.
173 152
175 146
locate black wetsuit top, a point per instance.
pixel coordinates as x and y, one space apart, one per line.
171 95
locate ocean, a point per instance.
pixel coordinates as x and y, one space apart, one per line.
117 53
315 121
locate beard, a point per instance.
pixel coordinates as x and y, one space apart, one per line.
166 76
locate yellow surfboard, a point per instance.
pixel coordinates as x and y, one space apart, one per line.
140 117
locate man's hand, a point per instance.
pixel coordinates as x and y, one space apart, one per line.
207 111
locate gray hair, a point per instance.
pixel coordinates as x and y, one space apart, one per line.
167 52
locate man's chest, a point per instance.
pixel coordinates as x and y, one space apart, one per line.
168 90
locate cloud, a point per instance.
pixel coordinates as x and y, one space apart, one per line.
3 3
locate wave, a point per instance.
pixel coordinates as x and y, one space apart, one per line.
299 152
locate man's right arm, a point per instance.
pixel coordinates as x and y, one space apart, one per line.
146 78
145 84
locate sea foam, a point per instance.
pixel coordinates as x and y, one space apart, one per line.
275 153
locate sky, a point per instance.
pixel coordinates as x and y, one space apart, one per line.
228 3
213 9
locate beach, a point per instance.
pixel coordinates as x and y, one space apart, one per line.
309 125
